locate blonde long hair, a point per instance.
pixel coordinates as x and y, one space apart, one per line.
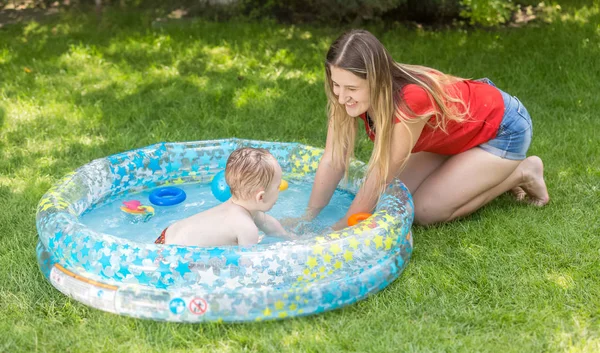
362 54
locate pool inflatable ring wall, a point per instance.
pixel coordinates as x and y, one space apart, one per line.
194 284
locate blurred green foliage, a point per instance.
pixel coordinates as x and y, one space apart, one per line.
484 13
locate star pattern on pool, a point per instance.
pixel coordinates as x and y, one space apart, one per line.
259 282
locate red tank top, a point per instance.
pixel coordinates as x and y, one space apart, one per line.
485 112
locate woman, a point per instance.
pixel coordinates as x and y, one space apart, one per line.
457 144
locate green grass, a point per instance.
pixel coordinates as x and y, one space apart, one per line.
510 278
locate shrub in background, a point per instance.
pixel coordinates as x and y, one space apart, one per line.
486 13
324 11
424 11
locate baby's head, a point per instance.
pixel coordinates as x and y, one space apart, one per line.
253 174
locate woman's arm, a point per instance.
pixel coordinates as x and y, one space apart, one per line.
327 178
402 144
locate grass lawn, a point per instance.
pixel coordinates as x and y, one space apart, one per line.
510 278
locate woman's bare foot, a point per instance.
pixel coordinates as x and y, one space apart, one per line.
519 193
532 188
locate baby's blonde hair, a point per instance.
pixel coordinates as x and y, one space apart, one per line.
248 170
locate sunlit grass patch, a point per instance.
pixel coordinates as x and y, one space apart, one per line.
255 95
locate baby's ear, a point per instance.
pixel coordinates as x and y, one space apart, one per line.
260 196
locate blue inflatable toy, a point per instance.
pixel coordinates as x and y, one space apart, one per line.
167 196
219 187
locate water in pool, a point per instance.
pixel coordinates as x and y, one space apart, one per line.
108 217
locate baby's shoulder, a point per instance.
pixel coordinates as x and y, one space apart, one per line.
237 216
246 221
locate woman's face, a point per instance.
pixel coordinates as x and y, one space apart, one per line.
351 90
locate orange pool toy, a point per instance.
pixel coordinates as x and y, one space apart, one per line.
357 218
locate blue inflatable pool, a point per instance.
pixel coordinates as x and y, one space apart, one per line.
193 284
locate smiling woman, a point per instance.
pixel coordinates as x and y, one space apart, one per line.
456 143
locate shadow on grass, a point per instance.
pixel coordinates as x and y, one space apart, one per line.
97 88
149 92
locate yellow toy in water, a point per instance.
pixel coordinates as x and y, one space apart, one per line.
283 185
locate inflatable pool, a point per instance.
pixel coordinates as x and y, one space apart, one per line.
194 284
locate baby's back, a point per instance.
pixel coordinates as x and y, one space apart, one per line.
217 226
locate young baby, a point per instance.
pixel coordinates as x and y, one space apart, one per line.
253 175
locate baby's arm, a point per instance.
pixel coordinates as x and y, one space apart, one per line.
271 226
249 236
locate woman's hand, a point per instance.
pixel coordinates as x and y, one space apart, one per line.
341 224
297 225
289 223
310 214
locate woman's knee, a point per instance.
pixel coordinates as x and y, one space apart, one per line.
428 213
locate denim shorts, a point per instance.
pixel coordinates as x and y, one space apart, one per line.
515 131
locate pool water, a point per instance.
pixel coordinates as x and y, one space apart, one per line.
108 217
